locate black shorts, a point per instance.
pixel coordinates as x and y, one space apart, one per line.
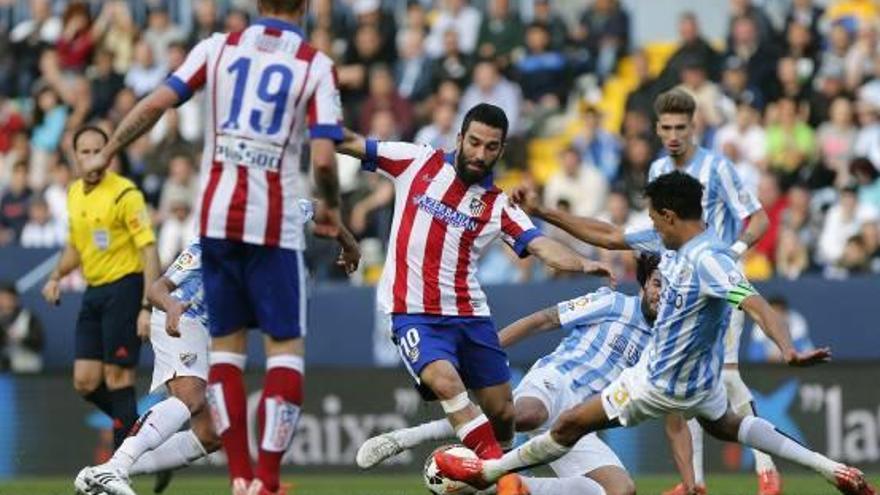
106 329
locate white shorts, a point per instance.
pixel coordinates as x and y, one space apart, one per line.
186 355
632 398
551 388
733 336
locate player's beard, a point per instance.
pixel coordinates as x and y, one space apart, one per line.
466 174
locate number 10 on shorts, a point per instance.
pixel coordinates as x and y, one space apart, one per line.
409 345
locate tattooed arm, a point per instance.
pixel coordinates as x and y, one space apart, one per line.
140 120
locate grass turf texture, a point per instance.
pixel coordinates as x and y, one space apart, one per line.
187 484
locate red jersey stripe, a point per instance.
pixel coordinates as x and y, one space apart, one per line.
434 249
237 206
208 196
273 222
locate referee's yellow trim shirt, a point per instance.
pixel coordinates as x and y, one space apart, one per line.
108 227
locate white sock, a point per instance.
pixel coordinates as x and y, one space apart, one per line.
178 451
760 434
439 429
574 485
697 446
152 430
740 398
539 450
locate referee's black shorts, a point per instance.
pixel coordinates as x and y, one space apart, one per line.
106 329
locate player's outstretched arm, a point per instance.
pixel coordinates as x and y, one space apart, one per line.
159 295
141 119
352 144
775 328
533 324
560 257
591 231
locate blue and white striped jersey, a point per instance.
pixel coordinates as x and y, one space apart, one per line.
608 335
726 203
186 274
701 284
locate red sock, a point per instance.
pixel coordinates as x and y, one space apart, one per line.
230 416
478 435
277 415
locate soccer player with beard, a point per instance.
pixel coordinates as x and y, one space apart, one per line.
447 211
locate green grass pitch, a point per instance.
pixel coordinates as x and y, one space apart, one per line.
189 484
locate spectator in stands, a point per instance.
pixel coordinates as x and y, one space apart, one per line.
181 186
853 13
744 142
870 91
774 203
30 38
791 143
581 185
735 86
21 334
542 72
637 158
604 28
160 33
843 221
868 179
457 16
20 151
384 96
49 121
146 72
789 83
692 47
802 47
759 56
14 204
829 85
641 99
500 33
333 19
855 260
361 55
453 64
178 226
833 59
11 123
619 213
105 84
41 230
862 55
77 41
763 349
805 13
117 34
412 72
490 86
544 13
800 217
207 22
416 18
792 256
236 20
868 140
745 9
597 146
441 132
837 139
707 94
370 13
56 194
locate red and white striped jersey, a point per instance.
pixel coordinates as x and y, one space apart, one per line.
441 228
265 88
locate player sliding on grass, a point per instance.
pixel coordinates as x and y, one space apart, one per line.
608 333
446 213
680 372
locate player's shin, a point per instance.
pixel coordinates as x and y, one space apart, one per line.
152 430
278 413
228 405
472 426
179 451
575 485
762 435
439 429
741 402
539 450
697 446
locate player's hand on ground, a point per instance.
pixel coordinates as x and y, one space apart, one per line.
526 197
173 311
143 324
808 358
52 292
600 269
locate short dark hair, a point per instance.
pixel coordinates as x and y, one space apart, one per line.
677 192
675 101
280 6
89 128
488 114
645 266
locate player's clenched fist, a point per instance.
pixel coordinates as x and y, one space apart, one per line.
527 198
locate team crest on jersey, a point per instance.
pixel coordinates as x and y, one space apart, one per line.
734 278
477 206
188 358
744 197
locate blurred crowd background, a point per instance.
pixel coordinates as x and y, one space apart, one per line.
789 90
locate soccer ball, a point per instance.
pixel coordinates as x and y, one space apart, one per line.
441 485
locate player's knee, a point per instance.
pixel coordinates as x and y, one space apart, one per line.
502 412
624 486
84 385
191 392
118 377
530 418
567 429
446 387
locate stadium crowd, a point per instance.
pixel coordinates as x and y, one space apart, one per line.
791 95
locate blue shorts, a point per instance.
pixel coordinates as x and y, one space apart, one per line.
249 285
469 343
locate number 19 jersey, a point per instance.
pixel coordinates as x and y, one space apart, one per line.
266 89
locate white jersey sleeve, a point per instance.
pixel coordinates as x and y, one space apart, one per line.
325 104
740 201
393 158
586 309
720 277
645 240
192 75
517 229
